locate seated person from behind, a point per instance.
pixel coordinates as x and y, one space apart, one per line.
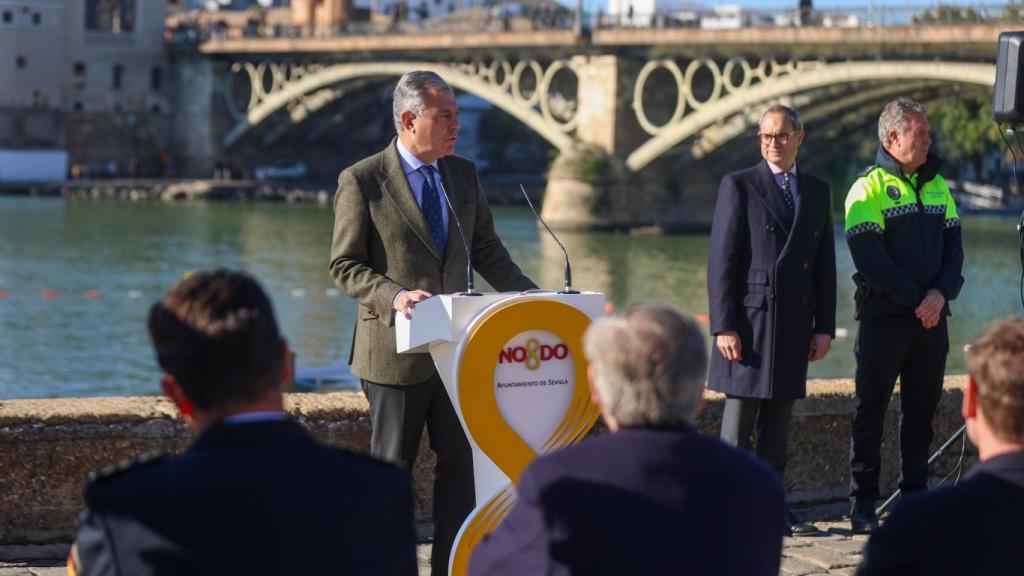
253 493
653 496
977 526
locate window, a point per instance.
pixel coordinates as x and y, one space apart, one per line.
118 76
20 62
77 106
78 77
7 17
112 16
156 78
37 19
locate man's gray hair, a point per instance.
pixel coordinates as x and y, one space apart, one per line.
410 90
896 116
649 365
794 116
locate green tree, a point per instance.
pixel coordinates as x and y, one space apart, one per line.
964 130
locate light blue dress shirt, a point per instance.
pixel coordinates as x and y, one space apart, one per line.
411 164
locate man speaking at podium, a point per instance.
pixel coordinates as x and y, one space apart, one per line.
395 244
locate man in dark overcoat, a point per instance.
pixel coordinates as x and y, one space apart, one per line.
772 290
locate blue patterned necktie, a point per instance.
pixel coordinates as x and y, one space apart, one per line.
787 195
431 207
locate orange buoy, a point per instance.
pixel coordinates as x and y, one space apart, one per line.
4 294
49 294
93 294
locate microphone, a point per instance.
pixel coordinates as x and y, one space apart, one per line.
465 245
568 269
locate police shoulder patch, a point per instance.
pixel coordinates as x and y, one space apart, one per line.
892 191
141 461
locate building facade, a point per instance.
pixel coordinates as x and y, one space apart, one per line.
87 76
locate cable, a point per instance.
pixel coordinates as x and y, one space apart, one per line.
1020 223
1012 151
959 467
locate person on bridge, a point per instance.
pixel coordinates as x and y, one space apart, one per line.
975 526
904 236
395 244
254 493
772 291
654 495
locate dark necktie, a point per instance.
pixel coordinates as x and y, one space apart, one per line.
431 207
787 195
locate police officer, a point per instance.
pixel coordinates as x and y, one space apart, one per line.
904 235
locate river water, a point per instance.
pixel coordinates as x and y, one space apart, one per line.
77 278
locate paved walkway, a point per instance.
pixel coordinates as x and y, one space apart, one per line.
836 552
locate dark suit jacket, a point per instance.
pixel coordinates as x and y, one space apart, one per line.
771 279
382 244
641 501
256 498
975 528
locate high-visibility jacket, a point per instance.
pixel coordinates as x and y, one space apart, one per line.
903 231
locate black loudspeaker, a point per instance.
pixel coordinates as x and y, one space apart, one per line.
1008 97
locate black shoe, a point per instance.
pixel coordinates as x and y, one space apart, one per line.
798 528
863 519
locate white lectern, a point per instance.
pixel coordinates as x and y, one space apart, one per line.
514 369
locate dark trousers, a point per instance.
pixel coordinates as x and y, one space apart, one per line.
398 414
887 347
771 417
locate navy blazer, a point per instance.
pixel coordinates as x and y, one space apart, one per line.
641 501
256 498
975 528
772 279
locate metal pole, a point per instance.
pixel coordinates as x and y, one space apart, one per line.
892 499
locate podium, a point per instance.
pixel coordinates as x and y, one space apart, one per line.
514 368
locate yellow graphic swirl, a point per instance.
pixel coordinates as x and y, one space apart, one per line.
484 422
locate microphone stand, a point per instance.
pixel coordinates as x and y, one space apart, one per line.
465 245
945 446
568 269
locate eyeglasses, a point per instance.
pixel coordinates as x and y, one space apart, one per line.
782 137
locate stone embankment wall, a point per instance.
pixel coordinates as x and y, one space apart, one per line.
49 447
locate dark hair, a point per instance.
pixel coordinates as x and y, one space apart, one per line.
995 361
216 334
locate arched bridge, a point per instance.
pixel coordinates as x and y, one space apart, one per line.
635 95
734 89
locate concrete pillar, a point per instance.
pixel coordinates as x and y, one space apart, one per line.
590 187
192 140
606 117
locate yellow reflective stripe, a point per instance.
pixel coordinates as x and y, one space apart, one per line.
862 206
951 211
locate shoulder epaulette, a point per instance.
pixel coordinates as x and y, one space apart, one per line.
142 461
867 171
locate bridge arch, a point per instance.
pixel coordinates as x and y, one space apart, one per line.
799 82
455 76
